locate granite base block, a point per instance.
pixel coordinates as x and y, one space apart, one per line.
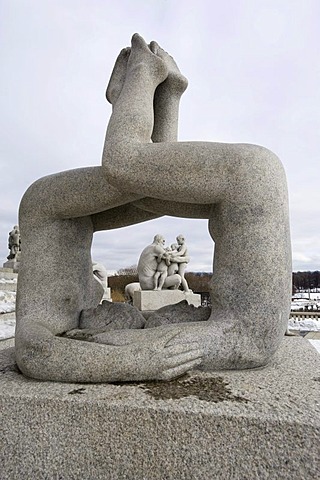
266 425
12 264
153 300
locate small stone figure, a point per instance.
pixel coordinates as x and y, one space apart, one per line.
181 258
14 243
129 290
173 261
152 267
162 269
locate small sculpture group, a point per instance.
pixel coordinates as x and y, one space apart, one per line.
239 188
161 267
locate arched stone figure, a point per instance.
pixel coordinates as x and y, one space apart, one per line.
241 189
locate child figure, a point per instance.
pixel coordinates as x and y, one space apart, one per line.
162 269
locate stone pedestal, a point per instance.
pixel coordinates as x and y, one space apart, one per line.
254 424
107 294
12 265
149 300
8 279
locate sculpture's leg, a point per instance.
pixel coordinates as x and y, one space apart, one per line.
249 220
184 283
128 146
118 74
166 99
156 277
58 217
162 279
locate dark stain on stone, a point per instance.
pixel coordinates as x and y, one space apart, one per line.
77 391
316 379
213 389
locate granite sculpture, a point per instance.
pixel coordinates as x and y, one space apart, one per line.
161 267
181 258
154 264
129 290
241 190
14 243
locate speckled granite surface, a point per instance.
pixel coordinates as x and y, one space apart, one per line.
255 424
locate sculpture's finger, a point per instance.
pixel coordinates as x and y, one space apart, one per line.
183 358
178 348
179 370
167 337
154 47
118 76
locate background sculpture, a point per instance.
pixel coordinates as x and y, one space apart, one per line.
161 267
14 243
240 189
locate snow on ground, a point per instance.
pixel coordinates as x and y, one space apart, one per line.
7 328
305 325
312 295
7 301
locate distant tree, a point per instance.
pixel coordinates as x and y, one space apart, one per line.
306 280
198 282
132 270
118 282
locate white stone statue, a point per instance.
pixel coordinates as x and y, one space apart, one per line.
153 267
129 290
181 257
241 189
171 261
164 261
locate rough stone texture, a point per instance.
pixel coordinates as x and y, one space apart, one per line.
241 190
153 300
258 424
109 316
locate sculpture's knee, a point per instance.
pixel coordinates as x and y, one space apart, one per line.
34 345
258 176
32 356
262 161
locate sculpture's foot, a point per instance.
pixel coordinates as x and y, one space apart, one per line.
181 312
111 316
142 56
175 81
118 76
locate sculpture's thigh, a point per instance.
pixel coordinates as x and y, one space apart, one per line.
252 261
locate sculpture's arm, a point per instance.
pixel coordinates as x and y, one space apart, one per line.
180 259
182 250
175 209
41 355
73 193
121 216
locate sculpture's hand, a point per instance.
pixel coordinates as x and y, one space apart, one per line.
160 360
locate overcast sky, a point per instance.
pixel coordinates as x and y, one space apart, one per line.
254 76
